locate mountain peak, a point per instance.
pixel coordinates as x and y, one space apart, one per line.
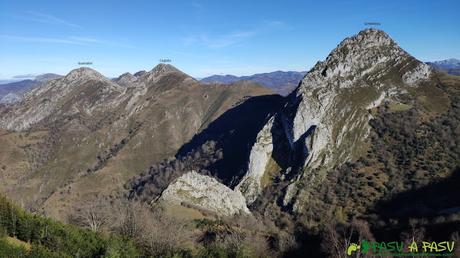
160 70
126 79
364 41
163 69
369 54
125 75
140 73
369 36
371 32
84 73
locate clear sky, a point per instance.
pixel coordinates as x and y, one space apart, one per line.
210 37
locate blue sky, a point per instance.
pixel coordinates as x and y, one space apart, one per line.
210 37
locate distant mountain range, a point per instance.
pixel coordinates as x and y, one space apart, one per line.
47 77
280 82
11 92
451 66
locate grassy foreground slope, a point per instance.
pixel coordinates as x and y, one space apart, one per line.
26 235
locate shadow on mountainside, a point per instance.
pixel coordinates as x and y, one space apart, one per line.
439 198
434 209
235 132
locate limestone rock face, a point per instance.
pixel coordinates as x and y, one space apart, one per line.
326 119
419 73
261 152
357 66
205 192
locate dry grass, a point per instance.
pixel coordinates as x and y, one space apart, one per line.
395 107
18 243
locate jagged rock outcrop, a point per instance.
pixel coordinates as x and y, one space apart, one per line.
159 71
326 119
140 73
126 79
205 192
251 183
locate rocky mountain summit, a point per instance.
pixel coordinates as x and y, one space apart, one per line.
325 121
126 79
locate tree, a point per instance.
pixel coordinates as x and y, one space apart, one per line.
93 214
337 238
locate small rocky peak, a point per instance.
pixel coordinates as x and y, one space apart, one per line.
84 73
140 73
161 69
367 43
126 77
126 80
